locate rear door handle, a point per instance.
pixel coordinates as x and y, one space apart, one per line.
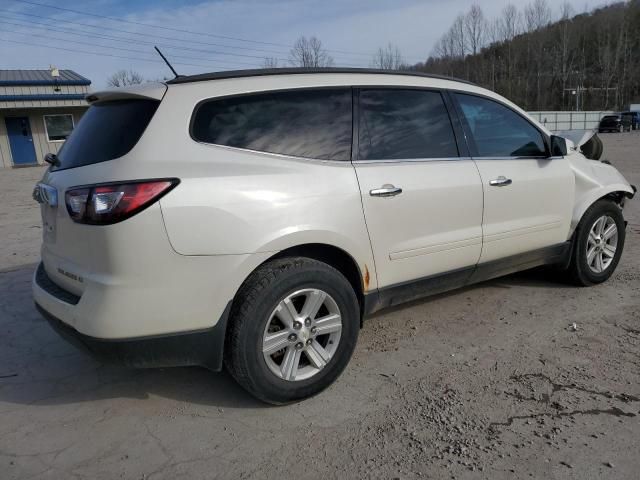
387 190
500 182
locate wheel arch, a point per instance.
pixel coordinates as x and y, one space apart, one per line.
616 193
332 255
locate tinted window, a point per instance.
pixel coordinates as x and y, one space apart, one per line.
303 123
396 124
498 131
106 131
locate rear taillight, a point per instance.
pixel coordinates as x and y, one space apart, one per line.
110 203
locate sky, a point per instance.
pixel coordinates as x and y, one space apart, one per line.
210 35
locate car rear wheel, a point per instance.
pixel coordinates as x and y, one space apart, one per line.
294 326
599 240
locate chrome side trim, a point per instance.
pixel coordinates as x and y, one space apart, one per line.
521 231
517 158
412 160
441 247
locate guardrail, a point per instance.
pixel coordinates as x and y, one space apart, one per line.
563 120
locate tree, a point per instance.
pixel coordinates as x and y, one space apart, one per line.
270 62
458 36
309 53
387 58
475 27
537 63
122 78
537 15
509 22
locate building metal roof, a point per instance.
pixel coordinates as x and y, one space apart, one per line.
293 71
41 77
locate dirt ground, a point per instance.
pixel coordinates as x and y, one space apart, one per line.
486 382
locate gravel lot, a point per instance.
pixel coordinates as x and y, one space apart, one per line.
486 382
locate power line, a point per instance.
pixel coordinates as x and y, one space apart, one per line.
128 41
75 32
115 39
105 17
260 57
99 46
229 62
123 40
120 30
94 53
150 25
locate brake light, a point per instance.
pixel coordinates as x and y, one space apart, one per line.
111 203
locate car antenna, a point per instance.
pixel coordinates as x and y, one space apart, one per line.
166 61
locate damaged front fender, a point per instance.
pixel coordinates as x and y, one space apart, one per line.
596 180
586 142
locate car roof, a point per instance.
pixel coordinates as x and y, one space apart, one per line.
297 70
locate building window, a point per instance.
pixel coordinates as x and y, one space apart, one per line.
58 127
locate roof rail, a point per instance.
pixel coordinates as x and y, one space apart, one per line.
300 70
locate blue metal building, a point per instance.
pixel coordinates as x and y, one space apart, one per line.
38 110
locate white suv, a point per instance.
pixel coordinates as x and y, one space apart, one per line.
253 218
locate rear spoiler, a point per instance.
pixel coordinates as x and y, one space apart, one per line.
151 91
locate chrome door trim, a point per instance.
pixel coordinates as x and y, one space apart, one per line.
387 190
501 181
411 160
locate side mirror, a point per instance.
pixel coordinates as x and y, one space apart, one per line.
558 146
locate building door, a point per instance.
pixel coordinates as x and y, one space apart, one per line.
21 141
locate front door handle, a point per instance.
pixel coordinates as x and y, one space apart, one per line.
387 190
500 182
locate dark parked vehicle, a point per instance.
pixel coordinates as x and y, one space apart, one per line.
619 122
635 119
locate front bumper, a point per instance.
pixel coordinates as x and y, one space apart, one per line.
204 347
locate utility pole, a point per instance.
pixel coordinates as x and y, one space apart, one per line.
579 90
576 91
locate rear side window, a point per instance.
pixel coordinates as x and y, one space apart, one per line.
404 124
498 131
106 131
301 123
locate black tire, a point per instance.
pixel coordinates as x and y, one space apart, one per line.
251 310
579 269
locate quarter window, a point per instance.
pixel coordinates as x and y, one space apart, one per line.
58 127
498 131
404 124
302 123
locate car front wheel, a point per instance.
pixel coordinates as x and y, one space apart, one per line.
599 240
294 326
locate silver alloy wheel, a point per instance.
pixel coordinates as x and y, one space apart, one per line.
602 244
302 334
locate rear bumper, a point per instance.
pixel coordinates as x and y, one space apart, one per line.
203 347
81 319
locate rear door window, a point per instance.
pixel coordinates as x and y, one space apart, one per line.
301 123
498 131
106 131
404 124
